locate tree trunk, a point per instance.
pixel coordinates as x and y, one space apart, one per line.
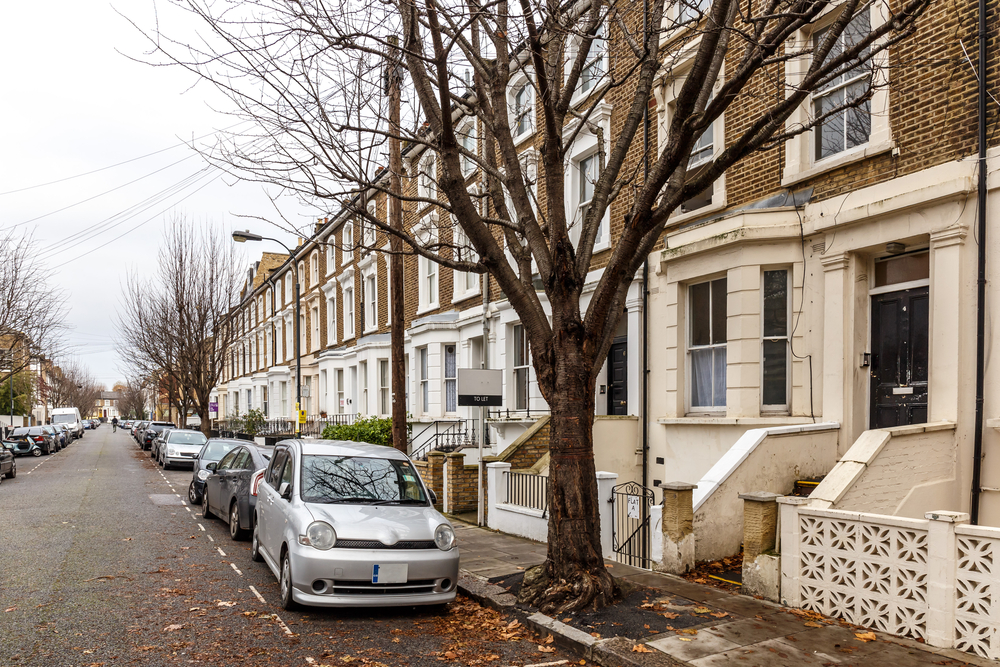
573 577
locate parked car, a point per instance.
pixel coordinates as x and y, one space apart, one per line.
179 447
213 450
64 434
8 466
69 416
44 438
70 436
137 431
94 423
351 524
231 490
24 447
151 432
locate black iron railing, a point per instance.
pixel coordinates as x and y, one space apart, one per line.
446 435
313 428
507 413
528 490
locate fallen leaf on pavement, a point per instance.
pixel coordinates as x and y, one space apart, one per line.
546 649
595 634
811 624
866 636
669 614
719 614
702 610
549 639
9 609
641 648
688 631
685 639
451 655
225 604
171 628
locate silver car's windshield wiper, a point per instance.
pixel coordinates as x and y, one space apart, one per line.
407 501
355 499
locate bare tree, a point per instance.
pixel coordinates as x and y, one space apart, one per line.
132 400
31 322
308 74
172 325
73 386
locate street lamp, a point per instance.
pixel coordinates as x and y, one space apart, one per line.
243 237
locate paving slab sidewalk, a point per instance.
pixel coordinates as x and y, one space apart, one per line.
753 633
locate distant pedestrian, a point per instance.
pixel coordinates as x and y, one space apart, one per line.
114 424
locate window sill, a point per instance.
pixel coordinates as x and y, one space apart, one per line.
722 420
704 211
468 294
428 308
829 164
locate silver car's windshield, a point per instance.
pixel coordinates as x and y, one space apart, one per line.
360 480
186 438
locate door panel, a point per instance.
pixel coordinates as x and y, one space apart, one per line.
899 365
618 379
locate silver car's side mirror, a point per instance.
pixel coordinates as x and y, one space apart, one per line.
434 496
285 490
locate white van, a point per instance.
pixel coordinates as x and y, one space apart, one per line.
69 416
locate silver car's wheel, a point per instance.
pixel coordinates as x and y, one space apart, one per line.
193 494
255 547
235 531
286 584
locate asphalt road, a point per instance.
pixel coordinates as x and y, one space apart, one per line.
103 562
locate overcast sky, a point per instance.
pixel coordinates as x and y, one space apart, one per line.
73 104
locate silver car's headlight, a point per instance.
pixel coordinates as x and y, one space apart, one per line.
171 451
204 474
444 537
320 535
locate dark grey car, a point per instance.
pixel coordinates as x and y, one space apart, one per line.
8 466
213 450
230 491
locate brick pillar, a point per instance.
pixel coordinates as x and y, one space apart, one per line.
435 476
761 565
760 523
678 528
455 463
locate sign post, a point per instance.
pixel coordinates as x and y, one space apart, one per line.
483 388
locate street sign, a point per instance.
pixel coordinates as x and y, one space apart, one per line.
483 388
213 406
302 416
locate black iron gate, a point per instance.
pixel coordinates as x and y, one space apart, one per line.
630 532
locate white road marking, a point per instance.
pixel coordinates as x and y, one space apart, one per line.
187 508
233 565
202 527
221 552
282 624
210 538
259 596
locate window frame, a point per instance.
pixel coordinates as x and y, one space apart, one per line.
450 381
690 347
520 372
521 82
785 408
423 379
385 387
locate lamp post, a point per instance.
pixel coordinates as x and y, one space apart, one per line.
242 237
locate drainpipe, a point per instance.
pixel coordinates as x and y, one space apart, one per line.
977 463
645 279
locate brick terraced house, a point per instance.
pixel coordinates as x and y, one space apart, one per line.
818 297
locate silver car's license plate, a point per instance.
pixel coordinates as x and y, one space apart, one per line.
389 574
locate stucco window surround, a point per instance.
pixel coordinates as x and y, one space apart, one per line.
468 139
465 283
329 290
428 274
368 234
314 268
521 105
346 280
594 75
708 146
577 185
331 254
426 177
801 160
369 278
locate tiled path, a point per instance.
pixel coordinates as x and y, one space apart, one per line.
754 634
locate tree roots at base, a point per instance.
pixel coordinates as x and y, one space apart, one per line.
576 590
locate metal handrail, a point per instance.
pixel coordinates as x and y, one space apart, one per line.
443 435
507 413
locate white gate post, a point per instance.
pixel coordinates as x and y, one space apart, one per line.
941 575
496 489
605 508
788 547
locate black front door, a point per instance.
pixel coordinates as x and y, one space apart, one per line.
899 358
618 379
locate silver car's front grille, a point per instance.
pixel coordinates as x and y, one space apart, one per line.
375 544
414 587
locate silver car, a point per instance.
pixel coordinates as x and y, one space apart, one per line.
345 524
180 448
